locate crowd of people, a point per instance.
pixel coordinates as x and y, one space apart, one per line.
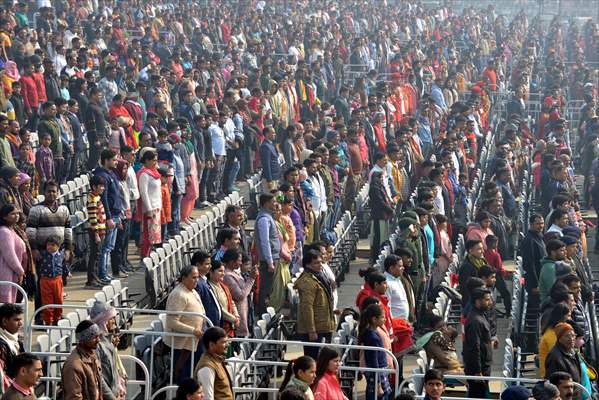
166 105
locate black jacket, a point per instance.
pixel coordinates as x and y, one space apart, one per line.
52 86
467 270
532 252
559 360
477 350
380 204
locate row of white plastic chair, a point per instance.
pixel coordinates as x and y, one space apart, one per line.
164 263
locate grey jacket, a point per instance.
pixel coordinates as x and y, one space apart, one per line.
107 355
268 242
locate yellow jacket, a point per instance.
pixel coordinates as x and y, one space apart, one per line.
548 340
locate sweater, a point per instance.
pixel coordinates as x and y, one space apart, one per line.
96 217
44 221
183 299
328 388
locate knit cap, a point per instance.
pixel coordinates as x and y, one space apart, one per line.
516 392
100 313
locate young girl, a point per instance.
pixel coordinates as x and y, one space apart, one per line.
117 136
375 285
326 385
371 319
300 373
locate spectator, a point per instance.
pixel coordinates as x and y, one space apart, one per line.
544 390
44 160
203 262
51 268
300 373
480 229
434 384
211 370
292 393
96 220
149 205
282 275
381 205
81 374
564 383
552 266
326 384
239 286
235 219
6 157
563 356
9 187
185 298
472 263
228 310
26 372
113 383
375 285
13 258
372 318
533 252
439 345
189 389
316 321
269 158
560 313
477 349
11 322
268 248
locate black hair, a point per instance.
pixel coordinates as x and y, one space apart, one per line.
230 255
198 257
213 335
310 256
491 240
558 376
486 271
53 239
471 243
215 264
94 181
107 154
367 314
433 375
22 360
557 314
404 252
302 363
553 245
390 261
479 293
369 301
186 387
292 393
9 310
570 279
325 355
83 325
147 156
4 211
265 198
225 234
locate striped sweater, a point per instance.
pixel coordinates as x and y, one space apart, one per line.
44 221
96 216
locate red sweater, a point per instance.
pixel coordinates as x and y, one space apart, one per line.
494 260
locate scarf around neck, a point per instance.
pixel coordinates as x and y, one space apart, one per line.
12 340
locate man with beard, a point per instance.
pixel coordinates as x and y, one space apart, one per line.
478 350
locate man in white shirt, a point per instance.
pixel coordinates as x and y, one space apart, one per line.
217 134
396 292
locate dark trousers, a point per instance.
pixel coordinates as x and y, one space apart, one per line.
215 179
183 367
94 258
59 170
118 257
312 351
203 178
501 287
265 287
478 389
94 156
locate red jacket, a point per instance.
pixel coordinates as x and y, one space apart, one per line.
29 90
40 85
366 292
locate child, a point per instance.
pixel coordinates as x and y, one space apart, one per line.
116 139
44 160
439 345
433 384
25 164
489 277
165 211
371 319
494 260
96 219
51 267
300 373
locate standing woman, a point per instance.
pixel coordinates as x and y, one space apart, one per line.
282 274
192 190
230 316
13 256
326 385
150 201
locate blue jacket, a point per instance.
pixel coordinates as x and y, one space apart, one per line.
374 359
112 198
268 243
269 157
211 306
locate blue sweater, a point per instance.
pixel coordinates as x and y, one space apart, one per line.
374 359
269 157
112 198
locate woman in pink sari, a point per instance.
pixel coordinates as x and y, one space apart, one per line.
192 190
150 201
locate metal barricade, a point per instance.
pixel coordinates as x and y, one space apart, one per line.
505 380
249 365
52 361
164 390
60 338
24 303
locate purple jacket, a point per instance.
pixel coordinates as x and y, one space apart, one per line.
296 218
